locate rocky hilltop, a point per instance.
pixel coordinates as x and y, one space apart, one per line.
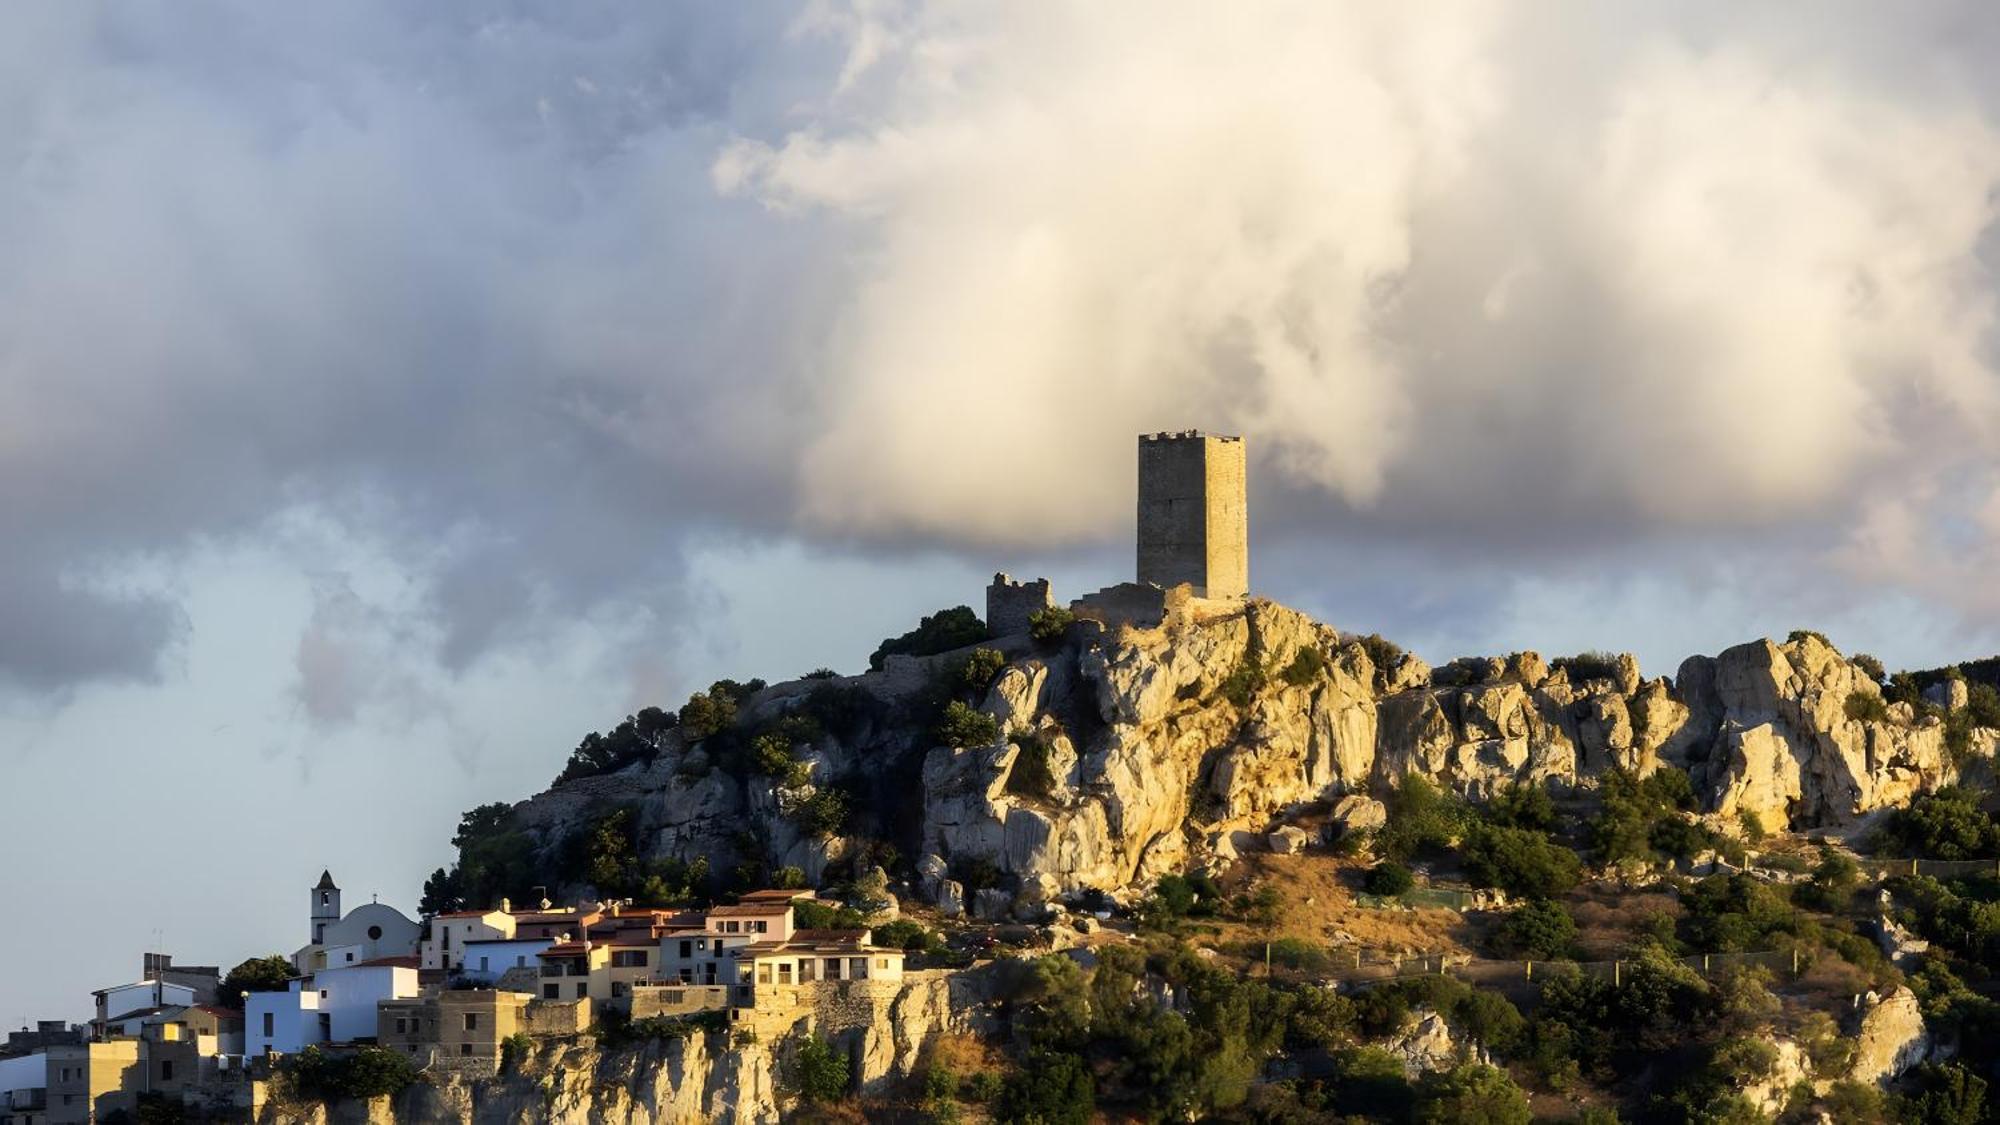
1119 750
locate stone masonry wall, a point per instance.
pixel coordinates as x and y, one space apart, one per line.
1009 604
1193 516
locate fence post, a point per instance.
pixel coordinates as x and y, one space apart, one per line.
1531 970
1704 962
1913 866
1795 960
1615 974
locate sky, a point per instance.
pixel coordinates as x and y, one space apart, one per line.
392 394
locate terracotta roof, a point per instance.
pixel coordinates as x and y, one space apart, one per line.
773 896
534 917
566 949
404 962
762 910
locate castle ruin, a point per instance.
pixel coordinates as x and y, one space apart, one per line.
1193 540
1193 515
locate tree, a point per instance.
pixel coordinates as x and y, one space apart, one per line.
1539 929
258 974
819 1073
942 631
1047 626
1388 879
1472 1094
1053 1088
1520 861
961 725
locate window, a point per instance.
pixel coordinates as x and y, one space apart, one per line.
374 933
465 1048
629 959
325 898
166 1070
322 993
472 1021
482 964
833 968
402 1025
551 991
687 949
618 988
267 1025
521 962
582 989
759 926
881 962
350 957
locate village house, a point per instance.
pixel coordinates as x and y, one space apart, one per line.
460 1026
447 945
335 1005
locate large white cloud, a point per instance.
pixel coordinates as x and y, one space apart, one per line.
1465 267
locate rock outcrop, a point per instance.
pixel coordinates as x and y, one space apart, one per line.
1892 1037
1123 752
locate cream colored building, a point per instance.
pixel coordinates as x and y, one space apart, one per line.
463 1026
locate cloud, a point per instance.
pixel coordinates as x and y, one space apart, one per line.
532 301
1488 272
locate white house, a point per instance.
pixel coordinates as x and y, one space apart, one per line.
486 961
348 994
284 1022
366 933
127 1002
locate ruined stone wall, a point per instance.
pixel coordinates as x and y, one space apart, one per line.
556 1017
1193 516
1009 604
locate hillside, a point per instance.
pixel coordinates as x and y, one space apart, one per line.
1225 862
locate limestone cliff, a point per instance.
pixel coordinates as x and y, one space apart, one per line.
1124 752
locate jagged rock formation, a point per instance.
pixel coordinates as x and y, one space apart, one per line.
1892 1037
1126 752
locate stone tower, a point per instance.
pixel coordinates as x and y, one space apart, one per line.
1193 515
325 906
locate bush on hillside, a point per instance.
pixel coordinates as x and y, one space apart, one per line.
1388 879
1307 666
1519 861
942 631
1047 626
1865 707
962 725
1539 930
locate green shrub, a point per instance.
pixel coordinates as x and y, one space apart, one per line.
1422 818
1031 775
1519 861
818 1073
1320 1017
942 631
1946 824
1307 666
1186 896
1540 930
1388 879
258 974
1294 953
1797 635
1944 1094
964 725
1242 682
1522 806
1383 653
1047 626
1870 667
810 915
1052 1088
708 713
980 668
1865 707
366 1072
1471 1092
822 814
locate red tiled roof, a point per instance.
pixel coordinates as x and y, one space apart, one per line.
773 896
763 910
566 949
404 962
